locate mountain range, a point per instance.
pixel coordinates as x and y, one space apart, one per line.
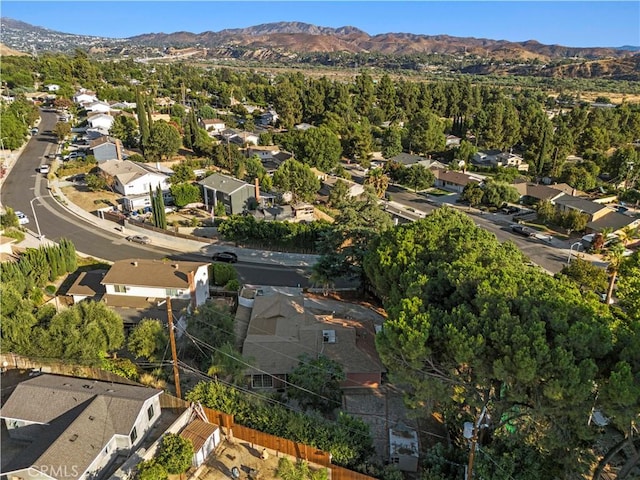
292 41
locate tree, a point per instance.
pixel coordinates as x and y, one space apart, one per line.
466 151
143 121
147 339
185 193
470 327
95 183
378 180
498 193
615 256
151 470
338 196
228 363
546 211
315 383
164 141
318 147
426 133
175 453
9 218
344 246
472 193
126 129
158 208
297 178
61 130
418 177
586 275
287 103
392 141
182 172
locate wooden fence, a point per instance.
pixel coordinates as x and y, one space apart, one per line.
279 444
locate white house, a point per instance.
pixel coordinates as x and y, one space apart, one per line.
101 121
213 125
98 106
157 279
52 87
134 178
245 138
204 436
84 96
77 427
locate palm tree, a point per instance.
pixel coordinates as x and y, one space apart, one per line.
627 234
378 180
615 256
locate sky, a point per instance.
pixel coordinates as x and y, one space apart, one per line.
572 23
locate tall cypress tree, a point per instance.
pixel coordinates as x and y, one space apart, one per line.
143 122
162 215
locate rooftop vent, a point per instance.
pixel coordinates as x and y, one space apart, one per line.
74 437
329 336
135 264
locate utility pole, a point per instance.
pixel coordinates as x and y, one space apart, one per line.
474 443
174 354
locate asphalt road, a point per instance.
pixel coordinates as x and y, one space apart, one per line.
24 184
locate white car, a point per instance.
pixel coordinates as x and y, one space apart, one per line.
44 169
22 218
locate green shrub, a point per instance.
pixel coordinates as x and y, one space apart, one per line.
232 285
50 290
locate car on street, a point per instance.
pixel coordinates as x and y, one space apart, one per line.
22 218
522 230
141 239
509 210
75 155
228 257
44 168
34 131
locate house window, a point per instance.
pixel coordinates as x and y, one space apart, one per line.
262 381
120 288
171 292
395 460
134 435
150 412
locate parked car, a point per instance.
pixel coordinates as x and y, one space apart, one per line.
522 230
34 131
228 257
509 210
141 239
22 218
44 168
75 155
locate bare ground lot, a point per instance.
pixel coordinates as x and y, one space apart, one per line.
81 196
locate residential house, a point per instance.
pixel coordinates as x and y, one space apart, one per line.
593 210
403 448
123 105
533 193
268 153
612 220
134 178
213 125
245 138
451 141
453 180
156 279
270 117
329 182
52 87
204 436
76 427
281 329
107 148
406 159
155 116
236 196
88 285
100 120
97 106
507 159
486 157
83 96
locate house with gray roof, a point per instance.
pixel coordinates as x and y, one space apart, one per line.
592 209
134 178
107 148
236 195
76 427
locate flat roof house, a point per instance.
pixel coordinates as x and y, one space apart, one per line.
236 195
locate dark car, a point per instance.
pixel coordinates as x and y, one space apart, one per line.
509 210
228 257
142 239
522 230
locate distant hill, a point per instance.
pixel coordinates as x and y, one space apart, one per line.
10 52
298 41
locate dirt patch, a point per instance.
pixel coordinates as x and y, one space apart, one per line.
89 201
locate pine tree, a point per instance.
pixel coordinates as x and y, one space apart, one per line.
143 122
162 215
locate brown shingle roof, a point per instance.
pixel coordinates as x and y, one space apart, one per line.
151 273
